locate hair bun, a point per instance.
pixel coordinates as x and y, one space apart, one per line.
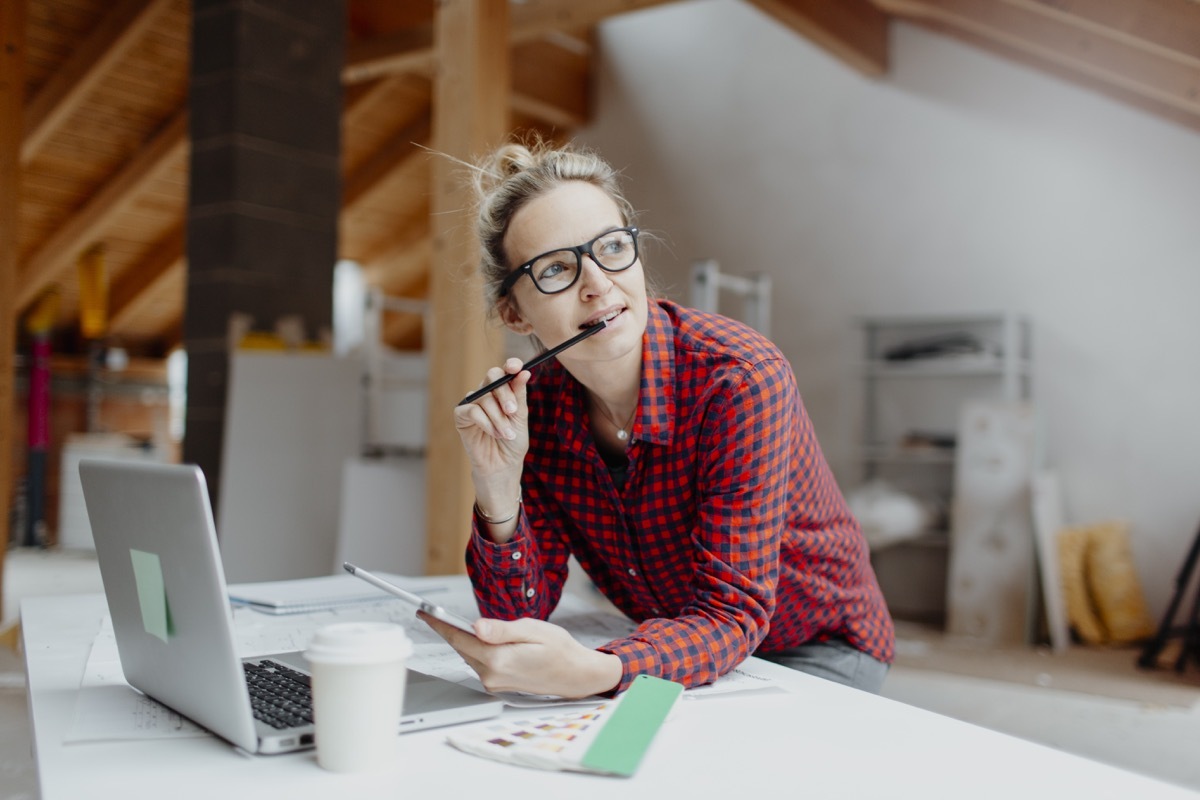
502 164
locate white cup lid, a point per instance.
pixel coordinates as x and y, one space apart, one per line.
359 643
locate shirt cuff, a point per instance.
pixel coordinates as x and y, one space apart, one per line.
637 658
500 559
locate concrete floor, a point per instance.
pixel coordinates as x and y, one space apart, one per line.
1093 703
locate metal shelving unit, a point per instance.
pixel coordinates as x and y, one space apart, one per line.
917 371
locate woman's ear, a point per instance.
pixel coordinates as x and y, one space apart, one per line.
510 315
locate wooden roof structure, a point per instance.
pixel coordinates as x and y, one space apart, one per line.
103 148
94 146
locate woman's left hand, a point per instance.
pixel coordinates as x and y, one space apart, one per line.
529 655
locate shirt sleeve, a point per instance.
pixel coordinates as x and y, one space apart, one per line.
743 479
523 577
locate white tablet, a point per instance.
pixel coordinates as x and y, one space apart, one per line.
432 609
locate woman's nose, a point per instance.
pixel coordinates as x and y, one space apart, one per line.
594 279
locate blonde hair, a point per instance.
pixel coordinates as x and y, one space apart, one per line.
517 173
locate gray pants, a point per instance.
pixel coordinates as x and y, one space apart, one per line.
834 660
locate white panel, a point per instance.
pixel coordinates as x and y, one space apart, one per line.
291 422
1048 519
74 529
989 593
382 527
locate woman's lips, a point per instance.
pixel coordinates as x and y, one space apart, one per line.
611 321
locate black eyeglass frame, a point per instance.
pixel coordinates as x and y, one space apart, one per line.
580 250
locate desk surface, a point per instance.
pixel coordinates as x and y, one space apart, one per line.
816 740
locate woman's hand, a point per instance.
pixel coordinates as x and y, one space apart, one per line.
528 655
495 433
494 429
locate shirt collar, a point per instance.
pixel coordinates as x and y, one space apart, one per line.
655 418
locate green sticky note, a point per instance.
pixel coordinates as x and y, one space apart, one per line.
152 594
625 737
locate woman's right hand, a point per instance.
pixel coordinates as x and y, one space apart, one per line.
495 433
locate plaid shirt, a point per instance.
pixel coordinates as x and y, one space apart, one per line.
730 536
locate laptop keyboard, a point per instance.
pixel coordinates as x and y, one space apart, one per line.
280 696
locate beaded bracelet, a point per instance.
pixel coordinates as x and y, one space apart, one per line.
480 513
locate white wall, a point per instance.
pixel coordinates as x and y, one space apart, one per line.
960 182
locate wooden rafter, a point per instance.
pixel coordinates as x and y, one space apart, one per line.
1143 52
406 257
104 47
535 19
1089 43
12 89
399 148
413 50
406 51
166 255
854 31
57 255
552 80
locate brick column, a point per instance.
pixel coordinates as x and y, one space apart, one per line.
265 186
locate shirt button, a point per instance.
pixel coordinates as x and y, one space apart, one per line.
529 593
656 612
632 571
516 556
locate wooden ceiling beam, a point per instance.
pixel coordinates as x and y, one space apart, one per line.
853 31
364 99
13 16
403 260
1172 26
412 50
170 335
167 254
406 143
1104 58
407 51
121 28
534 19
57 255
470 117
552 80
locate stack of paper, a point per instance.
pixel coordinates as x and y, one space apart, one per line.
306 594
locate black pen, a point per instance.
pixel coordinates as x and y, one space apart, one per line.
533 362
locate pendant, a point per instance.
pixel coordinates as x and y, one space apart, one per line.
622 435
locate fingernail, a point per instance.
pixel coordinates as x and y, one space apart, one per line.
483 627
509 433
510 407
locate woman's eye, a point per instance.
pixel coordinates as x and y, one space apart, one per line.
552 270
614 246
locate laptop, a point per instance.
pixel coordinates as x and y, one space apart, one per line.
157 548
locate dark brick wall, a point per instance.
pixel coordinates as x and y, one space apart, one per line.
264 188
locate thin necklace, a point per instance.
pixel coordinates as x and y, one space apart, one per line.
622 433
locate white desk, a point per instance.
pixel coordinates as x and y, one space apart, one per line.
820 740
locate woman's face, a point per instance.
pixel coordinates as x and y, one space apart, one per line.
568 215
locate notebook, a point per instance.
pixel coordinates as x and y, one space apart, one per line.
157 548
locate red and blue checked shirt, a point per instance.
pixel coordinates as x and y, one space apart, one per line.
730 535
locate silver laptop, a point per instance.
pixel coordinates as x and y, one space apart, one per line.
157 548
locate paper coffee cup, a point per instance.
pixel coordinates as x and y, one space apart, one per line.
358 677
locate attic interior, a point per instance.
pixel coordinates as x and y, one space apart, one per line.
97 177
94 183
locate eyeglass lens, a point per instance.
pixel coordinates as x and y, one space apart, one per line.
558 270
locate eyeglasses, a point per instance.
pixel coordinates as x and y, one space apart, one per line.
558 270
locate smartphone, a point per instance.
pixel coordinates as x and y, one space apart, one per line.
432 609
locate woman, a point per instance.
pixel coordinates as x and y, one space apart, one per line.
669 453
